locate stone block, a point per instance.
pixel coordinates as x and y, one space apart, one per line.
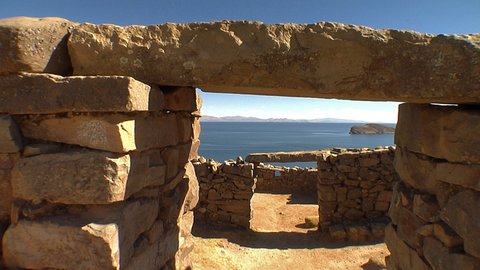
101 237
425 207
403 256
29 93
416 170
358 232
235 206
86 177
407 227
249 59
368 162
337 232
465 175
354 193
182 99
461 214
446 235
10 137
34 45
110 132
440 258
41 149
354 214
5 196
385 196
382 206
442 132
326 193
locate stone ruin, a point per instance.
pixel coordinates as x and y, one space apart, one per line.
98 124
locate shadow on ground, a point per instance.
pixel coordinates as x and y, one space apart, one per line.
274 240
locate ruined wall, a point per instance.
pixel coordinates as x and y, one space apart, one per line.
354 192
226 190
94 170
84 157
106 177
284 179
434 212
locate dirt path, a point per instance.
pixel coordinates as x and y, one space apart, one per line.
280 240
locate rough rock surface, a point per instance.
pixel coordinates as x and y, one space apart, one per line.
110 233
10 137
443 132
110 132
88 177
371 129
34 45
327 60
30 93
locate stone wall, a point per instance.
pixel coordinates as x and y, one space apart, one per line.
354 192
284 179
95 172
434 212
226 190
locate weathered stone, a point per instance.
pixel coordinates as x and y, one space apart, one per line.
34 45
5 196
10 137
182 99
110 132
385 196
337 232
41 149
441 259
110 232
326 193
192 197
358 232
407 227
403 256
466 175
88 177
29 93
354 214
425 207
446 235
368 162
382 206
295 156
416 170
235 207
443 132
461 214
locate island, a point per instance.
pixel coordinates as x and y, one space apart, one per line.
369 129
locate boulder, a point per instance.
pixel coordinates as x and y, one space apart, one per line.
326 60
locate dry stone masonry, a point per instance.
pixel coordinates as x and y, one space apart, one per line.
354 192
285 179
95 166
226 190
434 212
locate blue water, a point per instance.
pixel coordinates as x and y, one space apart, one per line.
227 140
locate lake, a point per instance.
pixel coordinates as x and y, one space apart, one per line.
227 140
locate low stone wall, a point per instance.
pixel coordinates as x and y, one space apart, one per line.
226 190
354 192
434 212
283 179
94 172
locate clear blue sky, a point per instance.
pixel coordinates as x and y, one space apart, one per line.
424 16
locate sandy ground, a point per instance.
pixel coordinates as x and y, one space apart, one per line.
280 240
